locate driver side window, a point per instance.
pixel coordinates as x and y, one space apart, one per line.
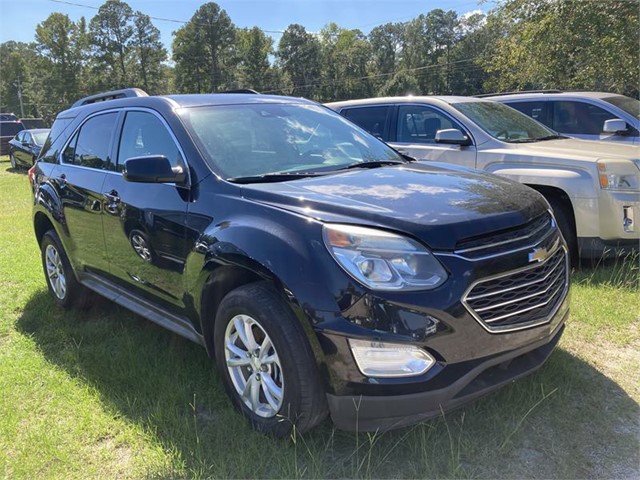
144 134
419 124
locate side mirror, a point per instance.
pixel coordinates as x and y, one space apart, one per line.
26 143
614 125
452 136
152 169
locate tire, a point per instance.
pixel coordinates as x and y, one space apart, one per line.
12 159
141 245
257 308
567 225
61 280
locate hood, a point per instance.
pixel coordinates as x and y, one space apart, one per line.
575 149
437 205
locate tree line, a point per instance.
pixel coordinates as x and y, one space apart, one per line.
520 44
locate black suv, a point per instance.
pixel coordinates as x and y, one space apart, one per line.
325 272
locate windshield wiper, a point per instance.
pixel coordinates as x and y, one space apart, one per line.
372 164
538 139
273 177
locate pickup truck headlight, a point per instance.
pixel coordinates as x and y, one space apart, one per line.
381 260
619 174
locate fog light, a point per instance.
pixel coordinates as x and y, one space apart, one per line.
375 359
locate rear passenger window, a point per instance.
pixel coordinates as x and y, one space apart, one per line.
372 119
579 118
537 110
144 134
90 147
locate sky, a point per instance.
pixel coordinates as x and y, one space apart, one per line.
18 18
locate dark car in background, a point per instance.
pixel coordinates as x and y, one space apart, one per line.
33 123
8 130
8 117
25 146
323 271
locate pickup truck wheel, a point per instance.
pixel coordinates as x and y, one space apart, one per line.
62 283
266 362
566 224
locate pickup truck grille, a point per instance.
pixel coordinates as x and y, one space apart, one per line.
531 233
522 298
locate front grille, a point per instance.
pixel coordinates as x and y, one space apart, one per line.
498 243
521 299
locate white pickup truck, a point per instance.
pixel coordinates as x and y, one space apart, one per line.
593 187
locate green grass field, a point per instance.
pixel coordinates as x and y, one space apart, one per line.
106 394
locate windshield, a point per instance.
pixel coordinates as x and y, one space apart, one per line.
505 123
628 104
39 137
261 139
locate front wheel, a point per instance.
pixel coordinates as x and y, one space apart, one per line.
12 159
266 362
564 217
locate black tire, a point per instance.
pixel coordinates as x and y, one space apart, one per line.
12 159
567 225
303 400
75 295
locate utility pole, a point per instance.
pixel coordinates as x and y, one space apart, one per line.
19 86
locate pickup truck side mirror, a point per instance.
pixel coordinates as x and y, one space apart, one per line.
452 136
152 169
615 125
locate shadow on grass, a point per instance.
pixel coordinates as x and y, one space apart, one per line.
566 421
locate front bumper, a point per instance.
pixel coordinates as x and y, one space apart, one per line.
371 413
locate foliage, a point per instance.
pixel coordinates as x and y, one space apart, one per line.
587 44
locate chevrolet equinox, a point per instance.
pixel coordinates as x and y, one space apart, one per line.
324 272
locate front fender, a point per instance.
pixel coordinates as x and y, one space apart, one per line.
575 182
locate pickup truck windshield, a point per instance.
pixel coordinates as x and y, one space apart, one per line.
505 123
253 140
628 104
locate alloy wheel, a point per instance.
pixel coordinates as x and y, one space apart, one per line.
141 247
254 366
55 272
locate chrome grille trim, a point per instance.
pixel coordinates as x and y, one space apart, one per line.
558 272
537 236
504 290
512 240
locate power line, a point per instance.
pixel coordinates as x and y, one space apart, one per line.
160 19
379 75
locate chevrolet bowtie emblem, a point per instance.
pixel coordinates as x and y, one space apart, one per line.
538 255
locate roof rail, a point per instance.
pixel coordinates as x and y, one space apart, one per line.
112 95
499 94
242 90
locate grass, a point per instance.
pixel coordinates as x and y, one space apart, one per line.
106 394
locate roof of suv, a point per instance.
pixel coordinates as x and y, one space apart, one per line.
529 95
406 99
186 100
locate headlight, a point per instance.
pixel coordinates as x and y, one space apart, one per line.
619 174
375 359
382 260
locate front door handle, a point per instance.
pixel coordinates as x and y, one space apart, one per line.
62 180
112 201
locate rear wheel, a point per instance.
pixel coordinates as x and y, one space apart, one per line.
62 283
266 362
